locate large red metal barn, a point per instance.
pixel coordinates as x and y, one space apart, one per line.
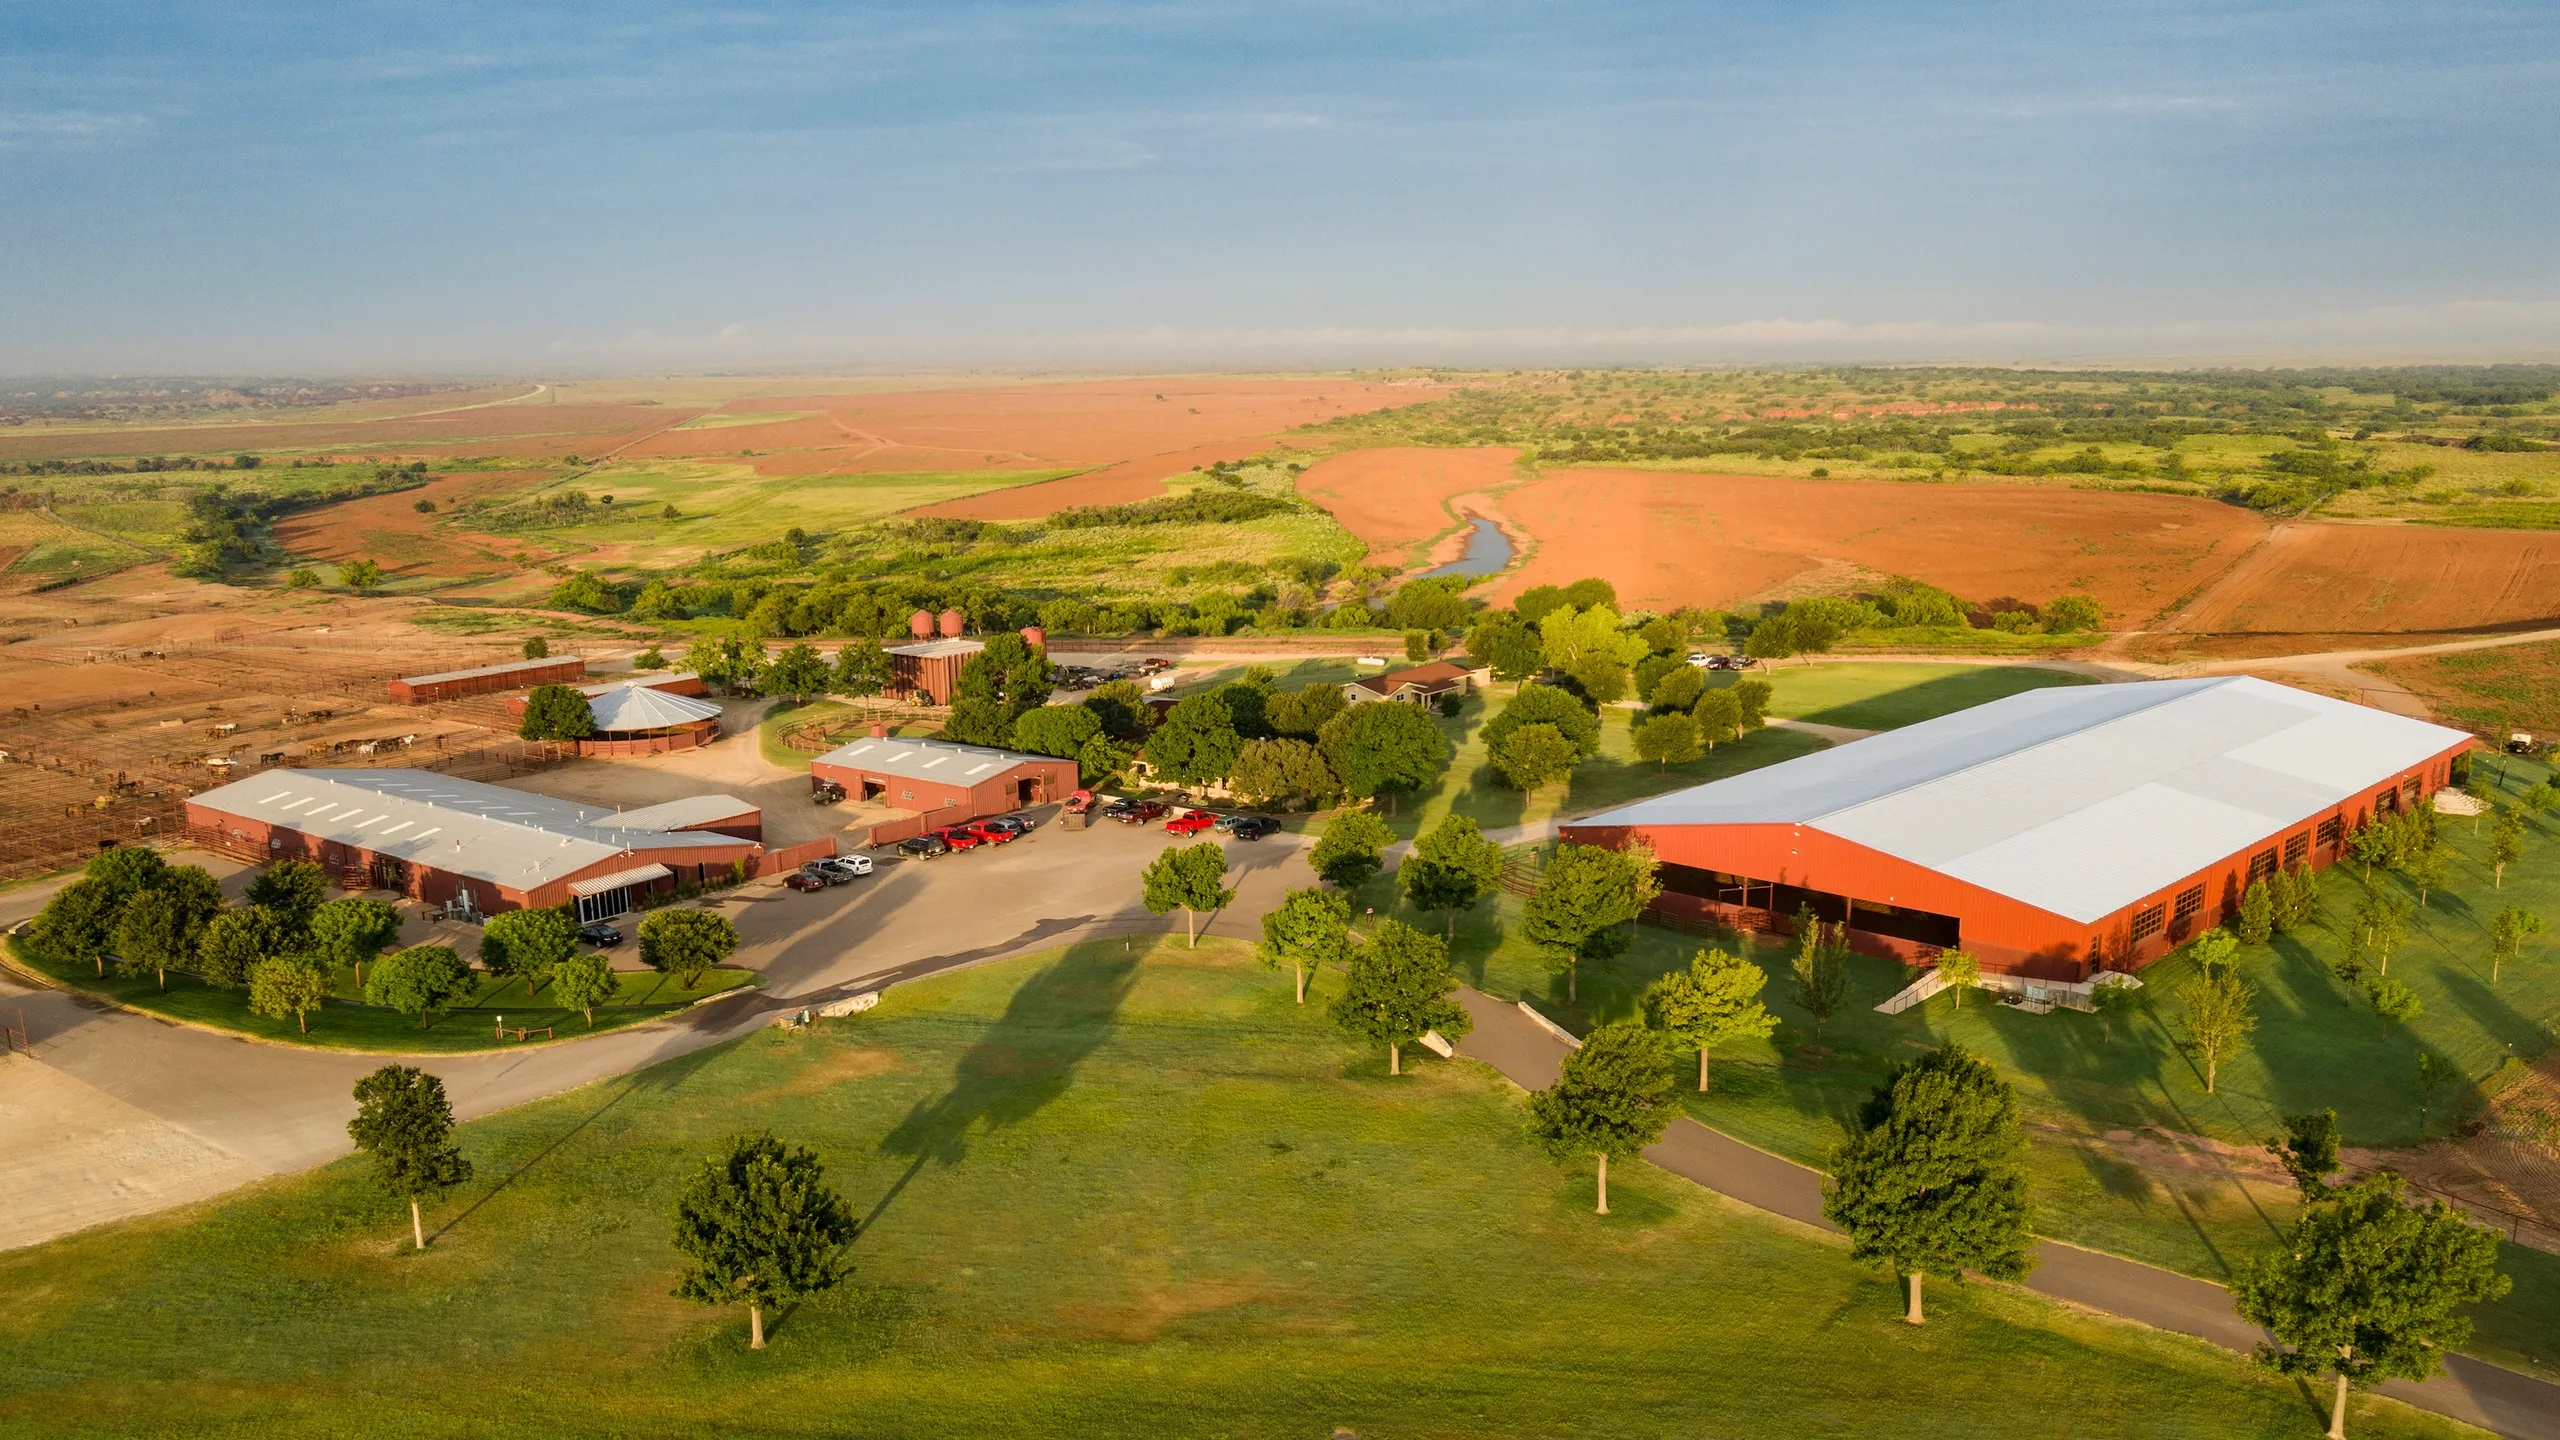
2052 833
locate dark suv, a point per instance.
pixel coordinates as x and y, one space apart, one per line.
1253 827
924 847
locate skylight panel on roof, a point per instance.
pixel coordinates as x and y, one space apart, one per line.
396 829
270 800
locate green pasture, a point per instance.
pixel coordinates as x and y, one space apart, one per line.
347 1023
1118 1189
727 506
1887 694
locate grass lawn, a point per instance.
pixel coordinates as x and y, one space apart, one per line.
1112 1190
2318 1044
347 1023
1888 694
723 506
2513 687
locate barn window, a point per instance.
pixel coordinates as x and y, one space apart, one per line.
2387 803
2148 920
2262 865
906 794
2410 788
2297 848
2332 830
2190 904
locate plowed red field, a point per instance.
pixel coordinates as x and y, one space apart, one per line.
1395 499
1666 539
2387 580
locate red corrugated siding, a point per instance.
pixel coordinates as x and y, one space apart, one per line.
948 804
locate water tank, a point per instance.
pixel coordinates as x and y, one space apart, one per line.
1036 637
920 624
953 622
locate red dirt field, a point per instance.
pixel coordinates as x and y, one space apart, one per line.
1667 540
2370 580
391 530
1395 499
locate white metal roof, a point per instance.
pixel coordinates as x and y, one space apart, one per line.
929 648
619 878
679 814
486 832
632 705
2079 800
943 760
651 678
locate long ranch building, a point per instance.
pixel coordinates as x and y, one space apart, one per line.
483 679
2051 833
954 782
482 848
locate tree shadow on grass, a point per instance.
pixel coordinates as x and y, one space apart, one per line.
1024 1061
657 1080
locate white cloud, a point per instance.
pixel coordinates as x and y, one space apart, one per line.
27 128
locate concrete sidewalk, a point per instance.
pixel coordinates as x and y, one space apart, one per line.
2472 1391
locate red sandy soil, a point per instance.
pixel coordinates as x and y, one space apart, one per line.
532 430
2367 580
1667 540
389 528
1395 499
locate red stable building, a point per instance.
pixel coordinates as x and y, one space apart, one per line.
482 848
2052 834
515 674
951 782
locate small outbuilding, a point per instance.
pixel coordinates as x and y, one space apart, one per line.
954 782
483 679
644 717
930 669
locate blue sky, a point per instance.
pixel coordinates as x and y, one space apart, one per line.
521 188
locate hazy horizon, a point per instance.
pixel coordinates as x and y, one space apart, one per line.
485 190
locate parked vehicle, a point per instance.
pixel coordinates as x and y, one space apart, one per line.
1227 824
841 867
1011 824
600 935
1137 812
1080 802
987 832
825 875
1190 823
803 880
1254 827
957 838
924 847
1152 665
826 792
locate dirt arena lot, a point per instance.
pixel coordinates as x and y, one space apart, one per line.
1394 499
2376 580
1670 539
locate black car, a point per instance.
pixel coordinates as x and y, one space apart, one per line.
1253 827
924 847
600 935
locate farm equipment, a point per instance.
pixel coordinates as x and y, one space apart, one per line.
826 792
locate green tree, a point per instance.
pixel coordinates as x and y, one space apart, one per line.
1060 730
1612 1097
126 869
762 1227
78 923
1452 867
1932 1183
348 932
232 945
2392 1000
528 944
1592 646
1189 878
2257 918
1197 743
2367 1287
418 981
301 577
686 943
977 721
1752 698
2218 1017
1383 749
2296 900
1667 740
583 982
1534 756
1717 999
1287 772
359 575
537 648
1959 970
1302 713
650 659
1585 894
862 668
404 1121
2074 615
1545 705
1397 988
287 985
2506 844
2428 870
1500 643
1820 970
2113 1003
2308 1151
2382 924
1679 690
291 891
161 924
556 712
799 672
1349 850
1310 929
2507 935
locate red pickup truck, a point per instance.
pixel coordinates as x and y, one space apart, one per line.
1190 822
